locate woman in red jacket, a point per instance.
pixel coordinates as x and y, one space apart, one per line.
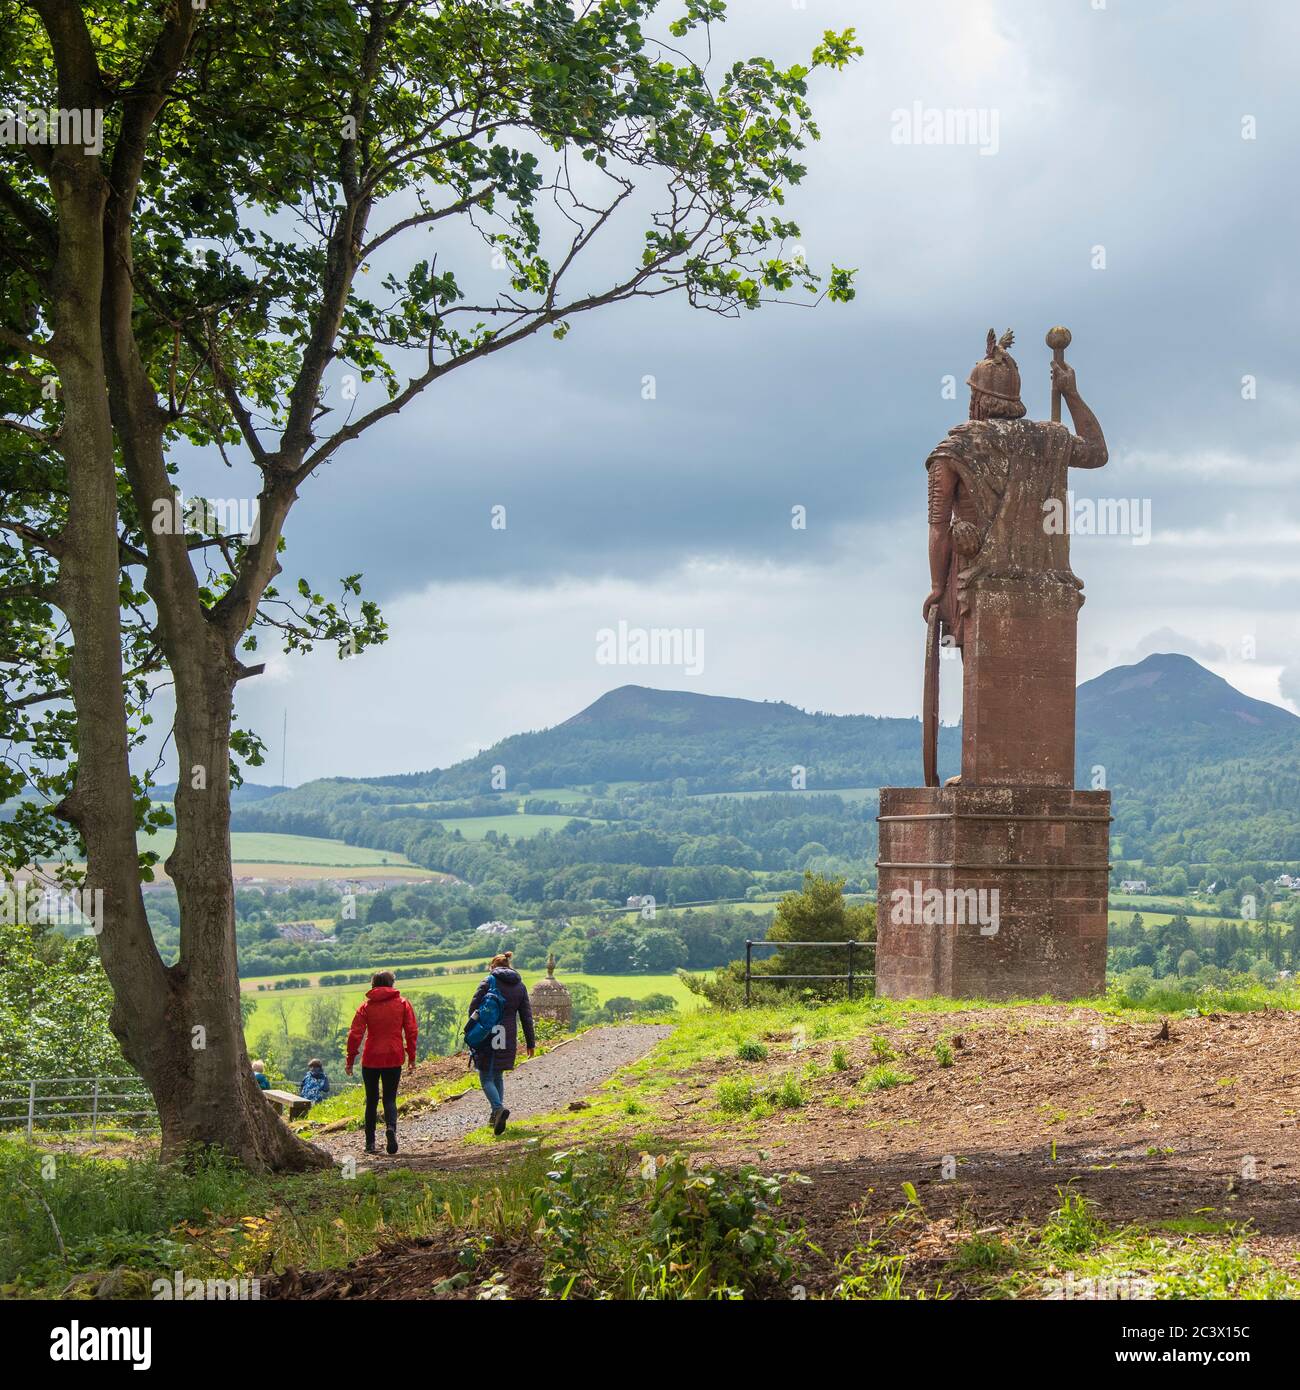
385 1019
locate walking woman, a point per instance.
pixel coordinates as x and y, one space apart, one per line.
496 1054
384 1020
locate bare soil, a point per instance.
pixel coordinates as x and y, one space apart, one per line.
1193 1121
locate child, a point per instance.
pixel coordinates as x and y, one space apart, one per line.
315 1085
260 1076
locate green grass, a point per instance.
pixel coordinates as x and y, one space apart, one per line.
459 988
476 959
519 826
257 847
218 1221
847 793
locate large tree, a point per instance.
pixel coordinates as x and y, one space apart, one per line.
259 231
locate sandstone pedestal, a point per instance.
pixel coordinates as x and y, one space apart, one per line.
1036 854
1018 683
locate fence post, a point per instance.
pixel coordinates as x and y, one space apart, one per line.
851 972
31 1107
94 1111
749 955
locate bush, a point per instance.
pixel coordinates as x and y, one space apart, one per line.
789 1095
839 1059
751 1051
613 1228
943 1053
884 1078
735 1097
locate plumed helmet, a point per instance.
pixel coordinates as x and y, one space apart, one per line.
997 375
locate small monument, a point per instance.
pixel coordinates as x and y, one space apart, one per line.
550 999
994 885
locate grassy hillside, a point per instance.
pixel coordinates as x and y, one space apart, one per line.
260 847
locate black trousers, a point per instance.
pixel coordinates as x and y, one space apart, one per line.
371 1078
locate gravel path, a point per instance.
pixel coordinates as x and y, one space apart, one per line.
548 1082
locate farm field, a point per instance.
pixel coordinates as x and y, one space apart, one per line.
250 984
519 826
847 793
250 848
461 989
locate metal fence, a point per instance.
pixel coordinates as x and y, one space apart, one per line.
76 1104
850 976
89 1104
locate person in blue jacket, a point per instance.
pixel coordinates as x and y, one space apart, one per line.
496 1056
315 1085
260 1076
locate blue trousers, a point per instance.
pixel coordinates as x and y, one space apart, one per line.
493 1081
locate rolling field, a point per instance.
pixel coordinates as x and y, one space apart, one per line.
249 985
518 827
258 847
846 793
460 988
251 848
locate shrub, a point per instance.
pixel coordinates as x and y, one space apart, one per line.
884 1078
735 1097
882 1050
840 1059
789 1095
751 1051
943 1053
612 1228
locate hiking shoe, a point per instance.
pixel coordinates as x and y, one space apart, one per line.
499 1121
370 1146
392 1141
492 1118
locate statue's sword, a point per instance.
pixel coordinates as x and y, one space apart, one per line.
930 702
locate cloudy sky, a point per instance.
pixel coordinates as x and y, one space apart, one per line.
1115 194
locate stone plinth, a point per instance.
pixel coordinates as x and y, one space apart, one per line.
1018 683
1021 874
550 999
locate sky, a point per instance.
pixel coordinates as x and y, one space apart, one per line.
1133 177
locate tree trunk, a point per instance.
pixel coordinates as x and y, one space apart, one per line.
179 1026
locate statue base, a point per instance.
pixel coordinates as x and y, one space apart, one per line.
992 892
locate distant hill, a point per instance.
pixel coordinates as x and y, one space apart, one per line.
641 709
1169 692
239 796
713 742
1196 768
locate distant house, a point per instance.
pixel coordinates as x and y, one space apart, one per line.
1133 885
300 931
1287 881
494 928
636 900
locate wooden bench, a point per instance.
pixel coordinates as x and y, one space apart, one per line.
296 1105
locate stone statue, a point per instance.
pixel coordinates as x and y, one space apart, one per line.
997 504
994 885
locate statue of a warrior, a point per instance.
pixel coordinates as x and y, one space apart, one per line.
997 484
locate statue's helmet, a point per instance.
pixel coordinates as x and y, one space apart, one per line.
998 377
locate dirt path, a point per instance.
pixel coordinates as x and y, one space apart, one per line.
547 1082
